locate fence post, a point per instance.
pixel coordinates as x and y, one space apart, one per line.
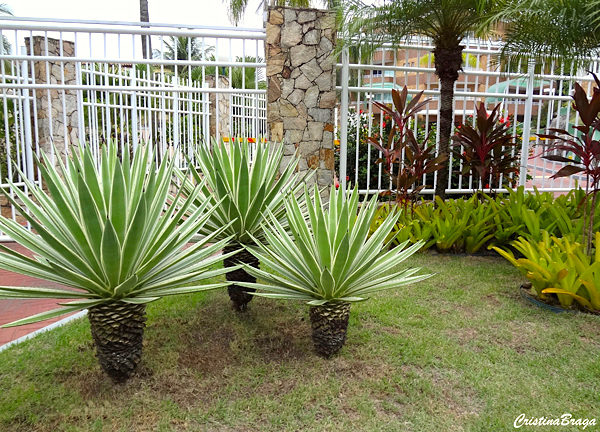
54 107
527 123
301 96
344 117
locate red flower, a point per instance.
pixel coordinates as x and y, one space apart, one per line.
383 124
347 178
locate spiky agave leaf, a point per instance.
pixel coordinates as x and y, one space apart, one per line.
244 183
110 230
330 257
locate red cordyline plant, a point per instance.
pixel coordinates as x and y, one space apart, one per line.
487 149
585 147
410 158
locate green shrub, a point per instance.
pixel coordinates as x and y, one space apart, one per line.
471 224
559 269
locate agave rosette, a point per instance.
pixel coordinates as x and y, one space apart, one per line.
243 182
331 256
109 232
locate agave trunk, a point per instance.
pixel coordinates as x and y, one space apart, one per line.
329 324
239 296
118 332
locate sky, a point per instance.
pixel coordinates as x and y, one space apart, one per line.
198 12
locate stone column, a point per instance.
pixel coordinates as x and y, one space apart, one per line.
301 86
224 107
55 106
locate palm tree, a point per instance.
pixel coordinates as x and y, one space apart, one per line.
551 30
446 22
184 48
247 77
236 8
146 41
5 9
6 47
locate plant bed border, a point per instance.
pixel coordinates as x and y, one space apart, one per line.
553 308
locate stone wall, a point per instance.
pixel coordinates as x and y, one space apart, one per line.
50 109
223 109
301 86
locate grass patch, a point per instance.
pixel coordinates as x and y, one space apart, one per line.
459 352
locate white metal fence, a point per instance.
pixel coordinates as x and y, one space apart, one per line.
64 82
68 82
533 97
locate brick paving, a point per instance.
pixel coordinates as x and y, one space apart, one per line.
11 310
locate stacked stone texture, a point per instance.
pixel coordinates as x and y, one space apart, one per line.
223 109
61 104
301 86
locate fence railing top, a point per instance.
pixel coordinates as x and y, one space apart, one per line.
128 23
91 26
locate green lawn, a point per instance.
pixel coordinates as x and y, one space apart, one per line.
461 351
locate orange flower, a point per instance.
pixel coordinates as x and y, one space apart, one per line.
252 140
225 139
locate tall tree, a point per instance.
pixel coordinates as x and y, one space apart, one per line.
236 8
184 48
555 30
446 22
146 41
5 10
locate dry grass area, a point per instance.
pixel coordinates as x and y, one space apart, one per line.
459 352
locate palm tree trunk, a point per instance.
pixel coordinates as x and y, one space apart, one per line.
239 295
118 333
448 62
329 326
146 42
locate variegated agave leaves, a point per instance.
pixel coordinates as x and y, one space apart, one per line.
329 260
244 183
110 232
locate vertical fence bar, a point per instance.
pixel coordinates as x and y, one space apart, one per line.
28 145
527 123
344 117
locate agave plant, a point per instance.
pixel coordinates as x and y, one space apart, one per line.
330 261
103 232
243 183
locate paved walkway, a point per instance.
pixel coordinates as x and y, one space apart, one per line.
11 310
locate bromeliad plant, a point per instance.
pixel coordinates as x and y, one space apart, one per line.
243 186
111 234
559 270
487 150
584 145
330 261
